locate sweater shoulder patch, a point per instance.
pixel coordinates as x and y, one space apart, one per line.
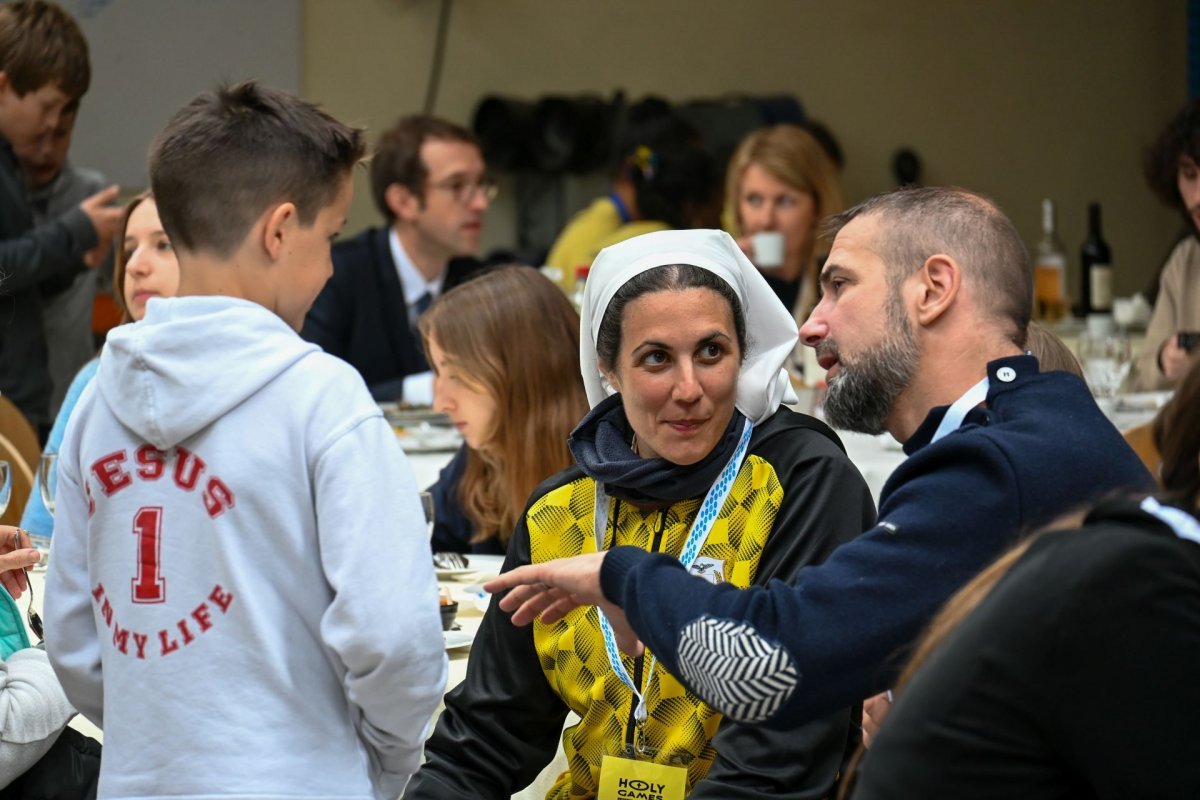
734 668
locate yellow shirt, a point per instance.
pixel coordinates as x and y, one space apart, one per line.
578 243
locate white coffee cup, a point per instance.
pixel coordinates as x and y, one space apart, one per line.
768 249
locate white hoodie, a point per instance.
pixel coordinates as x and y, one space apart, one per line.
240 591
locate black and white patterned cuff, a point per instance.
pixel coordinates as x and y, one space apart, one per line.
735 669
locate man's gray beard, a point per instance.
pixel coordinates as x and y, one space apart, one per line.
861 396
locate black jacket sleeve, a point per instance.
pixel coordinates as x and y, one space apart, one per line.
826 502
48 250
502 724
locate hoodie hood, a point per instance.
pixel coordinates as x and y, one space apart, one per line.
190 361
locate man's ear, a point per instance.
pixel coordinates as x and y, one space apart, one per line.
401 201
5 83
938 283
278 223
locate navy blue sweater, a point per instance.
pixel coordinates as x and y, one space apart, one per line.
788 652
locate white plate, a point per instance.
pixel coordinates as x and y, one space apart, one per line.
452 574
1142 401
477 565
485 564
457 639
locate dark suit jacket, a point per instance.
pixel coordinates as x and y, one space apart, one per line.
361 318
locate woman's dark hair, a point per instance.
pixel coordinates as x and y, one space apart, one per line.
667 278
672 174
1160 162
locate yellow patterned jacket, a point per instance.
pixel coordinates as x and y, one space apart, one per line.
795 499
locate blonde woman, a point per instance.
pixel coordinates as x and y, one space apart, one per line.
781 179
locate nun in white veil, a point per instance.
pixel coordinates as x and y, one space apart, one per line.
688 451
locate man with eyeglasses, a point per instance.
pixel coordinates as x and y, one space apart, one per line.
429 180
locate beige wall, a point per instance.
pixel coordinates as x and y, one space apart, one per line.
1021 99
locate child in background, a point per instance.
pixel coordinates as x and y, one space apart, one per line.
240 590
44 70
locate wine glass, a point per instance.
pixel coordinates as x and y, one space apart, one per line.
48 479
48 485
1106 360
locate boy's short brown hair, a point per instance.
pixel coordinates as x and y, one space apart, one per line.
229 154
41 44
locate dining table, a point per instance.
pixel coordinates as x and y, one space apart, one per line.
876 457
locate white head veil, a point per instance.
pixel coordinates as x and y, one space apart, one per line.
770 328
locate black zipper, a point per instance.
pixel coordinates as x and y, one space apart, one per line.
637 662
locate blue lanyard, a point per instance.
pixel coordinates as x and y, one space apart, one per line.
705 517
958 412
1184 524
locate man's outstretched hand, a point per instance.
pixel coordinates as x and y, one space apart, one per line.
549 591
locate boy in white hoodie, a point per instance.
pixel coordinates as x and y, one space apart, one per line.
241 592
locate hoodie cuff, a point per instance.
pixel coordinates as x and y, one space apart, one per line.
618 563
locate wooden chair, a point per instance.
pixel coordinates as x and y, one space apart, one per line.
1141 439
20 434
22 482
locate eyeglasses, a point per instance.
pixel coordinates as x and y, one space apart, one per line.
464 189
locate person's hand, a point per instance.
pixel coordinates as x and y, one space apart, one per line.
549 591
1173 359
875 710
104 218
16 555
95 257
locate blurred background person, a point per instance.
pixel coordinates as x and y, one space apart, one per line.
1172 167
664 179
1068 667
504 348
55 187
430 182
781 179
145 266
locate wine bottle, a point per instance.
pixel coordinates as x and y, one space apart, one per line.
1049 270
1095 261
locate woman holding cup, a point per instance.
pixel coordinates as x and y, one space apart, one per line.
687 451
779 186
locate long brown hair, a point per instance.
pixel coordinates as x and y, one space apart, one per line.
517 337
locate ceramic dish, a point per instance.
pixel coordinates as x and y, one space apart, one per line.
456 639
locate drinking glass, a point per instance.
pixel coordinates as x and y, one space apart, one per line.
5 486
48 479
1106 360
